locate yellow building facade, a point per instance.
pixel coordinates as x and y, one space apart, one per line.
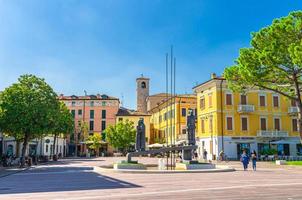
256 120
169 119
134 116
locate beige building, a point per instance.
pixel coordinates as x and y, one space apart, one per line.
134 116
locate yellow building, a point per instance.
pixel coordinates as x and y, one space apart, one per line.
169 118
256 120
134 116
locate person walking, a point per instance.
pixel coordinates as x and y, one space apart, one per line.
254 159
205 154
245 160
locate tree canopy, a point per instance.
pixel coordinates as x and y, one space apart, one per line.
273 62
94 142
29 109
121 135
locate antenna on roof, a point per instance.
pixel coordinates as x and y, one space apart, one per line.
122 101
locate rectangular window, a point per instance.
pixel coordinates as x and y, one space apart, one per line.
91 103
263 124
262 100
293 103
210 100
103 114
244 123
103 125
202 126
46 148
229 123
276 101
120 119
91 125
210 125
228 99
91 114
243 100
80 112
73 113
184 131
295 125
202 103
277 124
73 103
183 112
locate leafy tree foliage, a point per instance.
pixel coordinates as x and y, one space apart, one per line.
273 62
28 109
94 142
63 123
122 135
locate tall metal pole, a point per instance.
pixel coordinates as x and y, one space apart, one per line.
167 103
171 101
174 105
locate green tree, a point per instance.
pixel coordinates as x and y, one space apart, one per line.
27 109
121 136
63 124
94 142
273 62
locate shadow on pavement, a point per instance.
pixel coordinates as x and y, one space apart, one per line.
55 179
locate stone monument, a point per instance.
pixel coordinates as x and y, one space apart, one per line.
187 154
140 144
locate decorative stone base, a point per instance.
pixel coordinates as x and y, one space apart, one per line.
280 162
125 165
188 166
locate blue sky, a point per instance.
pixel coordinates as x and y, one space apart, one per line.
102 45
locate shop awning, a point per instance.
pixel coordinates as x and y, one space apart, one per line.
284 142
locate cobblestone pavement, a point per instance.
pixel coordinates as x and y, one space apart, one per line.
74 179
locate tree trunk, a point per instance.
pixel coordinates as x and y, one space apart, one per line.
300 121
17 148
54 152
25 142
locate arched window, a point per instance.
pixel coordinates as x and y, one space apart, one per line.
143 85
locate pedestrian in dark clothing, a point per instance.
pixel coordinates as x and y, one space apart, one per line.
245 160
205 154
254 159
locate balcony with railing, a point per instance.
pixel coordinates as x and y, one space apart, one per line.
182 137
272 133
245 108
293 110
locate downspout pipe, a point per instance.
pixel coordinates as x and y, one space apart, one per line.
221 105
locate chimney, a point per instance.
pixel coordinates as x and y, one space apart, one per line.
213 75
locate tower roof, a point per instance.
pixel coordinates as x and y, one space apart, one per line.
142 78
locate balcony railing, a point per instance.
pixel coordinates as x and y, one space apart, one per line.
182 136
245 108
273 133
293 110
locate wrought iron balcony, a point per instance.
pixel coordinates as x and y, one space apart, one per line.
273 133
245 108
293 110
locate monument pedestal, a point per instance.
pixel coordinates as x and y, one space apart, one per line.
128 165
193 164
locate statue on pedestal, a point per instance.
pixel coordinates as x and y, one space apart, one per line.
140 143
191 129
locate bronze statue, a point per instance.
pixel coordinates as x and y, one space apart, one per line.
191 129
140 143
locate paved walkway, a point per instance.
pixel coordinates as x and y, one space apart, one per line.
6 171
74 179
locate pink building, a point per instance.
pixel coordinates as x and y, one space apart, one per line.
97 111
